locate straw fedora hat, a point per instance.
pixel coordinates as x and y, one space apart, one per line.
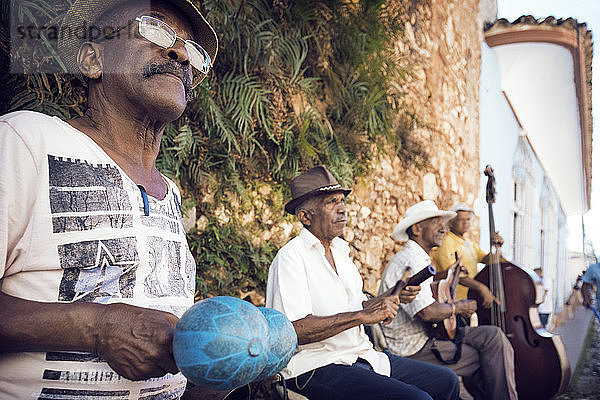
416 213
75 27
314 182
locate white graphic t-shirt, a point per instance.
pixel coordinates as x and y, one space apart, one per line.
73 228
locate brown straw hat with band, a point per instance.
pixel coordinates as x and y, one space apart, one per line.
314 182
78 20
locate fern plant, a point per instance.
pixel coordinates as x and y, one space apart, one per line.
295 84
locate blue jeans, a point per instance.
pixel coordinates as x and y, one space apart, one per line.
410 380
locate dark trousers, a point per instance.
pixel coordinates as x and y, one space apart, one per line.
487 361
409 380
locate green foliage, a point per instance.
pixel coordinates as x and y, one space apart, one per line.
295 84
227 261
52 94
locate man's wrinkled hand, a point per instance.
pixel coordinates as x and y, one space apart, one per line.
487 297
136 342
380 308
408 294
463 272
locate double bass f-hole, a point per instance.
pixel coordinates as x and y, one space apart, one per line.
523 324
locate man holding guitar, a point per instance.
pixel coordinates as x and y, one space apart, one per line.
468 251
486 356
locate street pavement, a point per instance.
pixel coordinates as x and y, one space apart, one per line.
581 335
573 333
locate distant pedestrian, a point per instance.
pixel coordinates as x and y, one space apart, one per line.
591 282
545 308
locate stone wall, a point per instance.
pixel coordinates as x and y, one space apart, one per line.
441 45
441 48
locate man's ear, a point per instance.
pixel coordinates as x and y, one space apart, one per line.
89 59
304 217
416 229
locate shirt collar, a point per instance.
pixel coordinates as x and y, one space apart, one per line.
417 249
455 236
311 240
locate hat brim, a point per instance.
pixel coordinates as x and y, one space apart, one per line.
461 207
291 206
399 232
85 12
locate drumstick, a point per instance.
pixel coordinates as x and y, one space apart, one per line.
399 286
414 280
421 276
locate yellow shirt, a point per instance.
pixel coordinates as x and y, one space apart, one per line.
469 252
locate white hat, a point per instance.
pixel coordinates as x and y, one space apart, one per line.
461 207
416 213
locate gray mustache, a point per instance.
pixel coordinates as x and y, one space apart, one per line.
170 67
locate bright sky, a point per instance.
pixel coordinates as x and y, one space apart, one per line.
587 11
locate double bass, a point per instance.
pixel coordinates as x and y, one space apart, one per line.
541 365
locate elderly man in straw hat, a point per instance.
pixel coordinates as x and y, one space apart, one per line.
313 281
482 353
94 265
470 254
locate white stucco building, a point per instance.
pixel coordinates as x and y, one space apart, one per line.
535 131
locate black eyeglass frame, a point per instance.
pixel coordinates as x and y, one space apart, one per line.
112 35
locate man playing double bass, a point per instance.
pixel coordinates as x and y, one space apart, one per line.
468 251
486 356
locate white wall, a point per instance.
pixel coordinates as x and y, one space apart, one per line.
540 81
499 134
505 146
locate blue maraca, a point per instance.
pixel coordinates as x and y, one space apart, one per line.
221 343
282 342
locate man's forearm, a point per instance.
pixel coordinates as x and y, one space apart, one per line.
440 311
470 283
435 312
136 342
36 326
312 329
488 258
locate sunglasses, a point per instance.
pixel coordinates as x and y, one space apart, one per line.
161 34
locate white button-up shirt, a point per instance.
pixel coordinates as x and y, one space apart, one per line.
302 282
406 335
